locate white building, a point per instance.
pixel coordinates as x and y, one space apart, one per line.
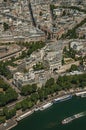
76 45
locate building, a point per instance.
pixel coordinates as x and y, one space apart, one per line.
9 51
21 79
53 55
37 77
76 45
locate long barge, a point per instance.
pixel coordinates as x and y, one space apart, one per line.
81 94
24 115
76 116
63 98
46 106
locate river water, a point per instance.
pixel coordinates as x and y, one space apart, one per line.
50 119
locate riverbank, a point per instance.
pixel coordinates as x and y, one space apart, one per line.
9 124
51 118
14 122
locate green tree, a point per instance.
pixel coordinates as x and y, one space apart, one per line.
50 82
2 99
73 68
2 119
6 26
63 62
18 106
24 105
28 89
34 97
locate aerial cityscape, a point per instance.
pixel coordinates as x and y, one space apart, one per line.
42 64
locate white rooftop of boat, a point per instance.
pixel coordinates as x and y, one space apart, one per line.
80 93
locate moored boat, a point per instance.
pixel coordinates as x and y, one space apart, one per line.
37 109
81 94
24 115
46 106
63 98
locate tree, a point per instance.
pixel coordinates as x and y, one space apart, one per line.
4 71
5 112
11 95
3 85
40 13
34 46
9 113
34 97
64 13
24 54
2 99
24 104
65 49
38 66
5 0
6 26
30 104
55 87
12 113
73 68
18 106
2 119
50 82
63 62
81 61
28 89
41 94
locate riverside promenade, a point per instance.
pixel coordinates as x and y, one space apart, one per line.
9 124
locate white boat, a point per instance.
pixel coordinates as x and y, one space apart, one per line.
46 106
63 98
24 115
37 109
82 94
76 116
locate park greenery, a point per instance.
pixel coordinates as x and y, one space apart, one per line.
35 46
3 69
35 94
69 53
28 89
73 68
31 47
7 94
52 6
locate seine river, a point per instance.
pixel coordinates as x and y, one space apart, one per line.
50 119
